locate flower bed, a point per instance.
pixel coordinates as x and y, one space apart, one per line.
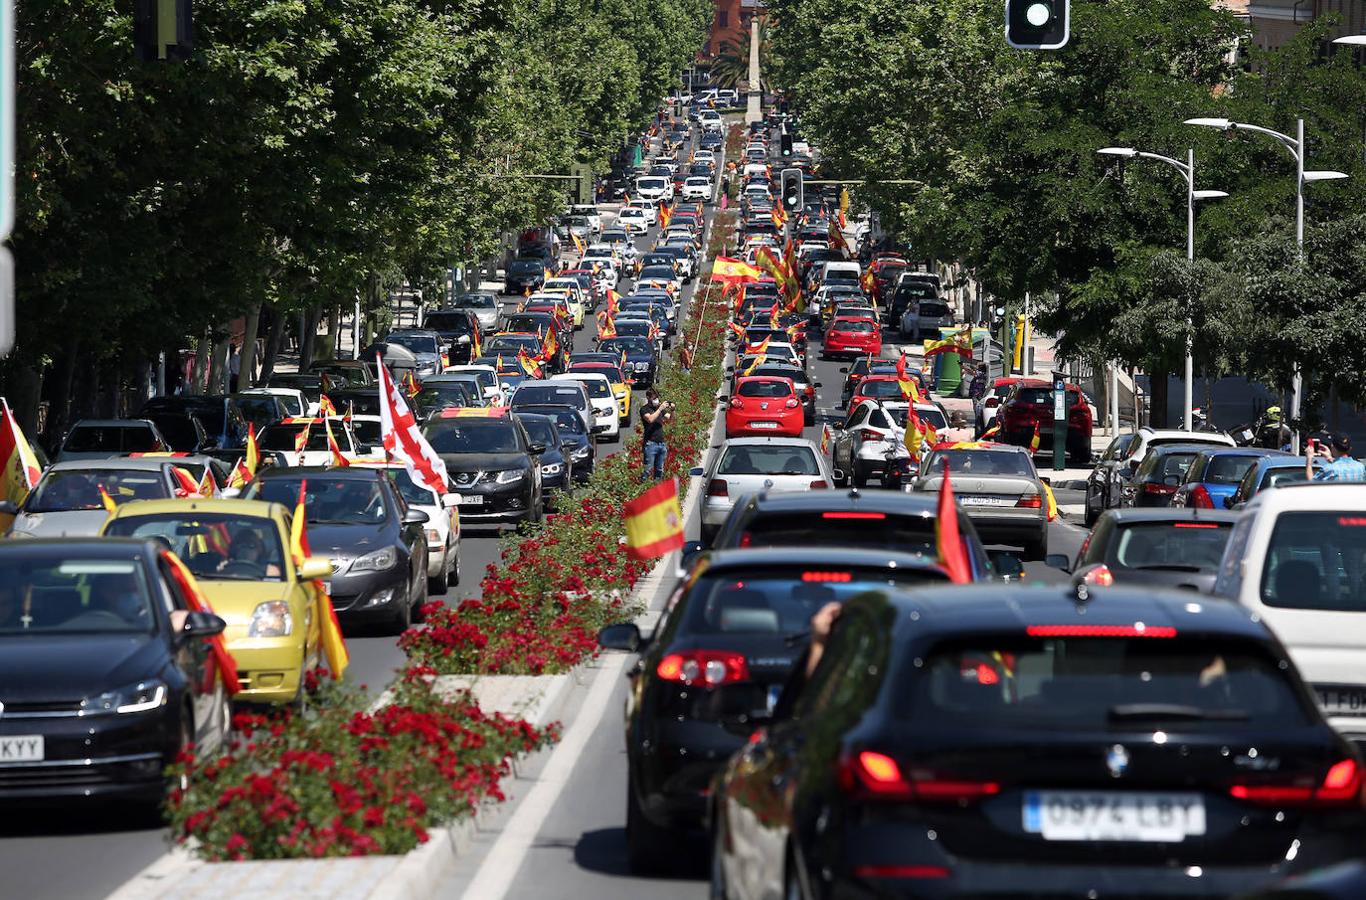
540 609
342 781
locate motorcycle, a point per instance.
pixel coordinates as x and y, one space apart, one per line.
898 472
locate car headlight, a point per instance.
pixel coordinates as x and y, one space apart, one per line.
141 697
580 453
375 562
552 469
434 537
641 366
271 619
510 476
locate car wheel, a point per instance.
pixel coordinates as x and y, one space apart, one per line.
455 569
402 618
423 597
647 845
439 583
1092 514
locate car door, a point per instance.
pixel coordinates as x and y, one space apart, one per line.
844 441
195 660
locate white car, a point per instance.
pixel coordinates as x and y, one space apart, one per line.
634 220
369 437
606 412
494 391
706 156
609 268
1294 560
743 466
442 528
710 120
590 212
697 187
653 188
281 436
874 428
296 404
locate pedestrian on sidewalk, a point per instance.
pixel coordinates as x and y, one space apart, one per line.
1337 449
653 415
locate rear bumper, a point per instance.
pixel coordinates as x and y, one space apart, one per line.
997 527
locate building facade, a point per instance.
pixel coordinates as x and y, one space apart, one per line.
1275 21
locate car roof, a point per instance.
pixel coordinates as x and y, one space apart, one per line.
768 442
357 472
953 610
103 547
804 556
891 502
1258 452
1200 437
259 509
1184 447
113 423
1310 496
1171 514
141 464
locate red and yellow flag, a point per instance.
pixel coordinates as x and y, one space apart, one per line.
613 303
333 643
758 361
724 268
21 470
253 460
825 439
529 365
654 522
550 347
240 476
301 439
910 388
991 432
186 486
607 327
953 553
665 214
338 461
737 330
1034 441
197 602
477 346
108 501
326 407
206 484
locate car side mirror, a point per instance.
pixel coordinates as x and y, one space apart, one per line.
1046 480
9 508
624 636
1058 561
818 384
416 517
535 449
1006 564
314 568
202 624
451 501
696 472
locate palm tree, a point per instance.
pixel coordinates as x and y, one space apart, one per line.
731 65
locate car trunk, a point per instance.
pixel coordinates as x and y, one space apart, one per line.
976 492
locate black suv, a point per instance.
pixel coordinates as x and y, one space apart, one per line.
492 464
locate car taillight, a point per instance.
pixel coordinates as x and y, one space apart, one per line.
736 404
819 485
1152 487
876 775
1341 786
1136 630
792 403
1030 501
992 402
718 487
1200 498
898 871
1101 576
708 668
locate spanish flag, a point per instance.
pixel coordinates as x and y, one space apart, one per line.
206 484
253 460
550 347
758 361
578 242
410 386
301 439
914 438
665 214
991 432
737 330
613 303
825 439
240 476
338 461
477 344
334 645
186 486
1050 501
1034 441
910 389
761 348
197 602
21 470
108 501
529 365
607 327
326 407
724 268
654 522
953 553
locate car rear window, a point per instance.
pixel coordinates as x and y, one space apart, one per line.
764 389
114 439
879 389
1317 560
1287 475
1229 469
754 460
68 489
782 601
854 326
840 528
934 310
1046 683
1179 546
982 462
546 393
1161 466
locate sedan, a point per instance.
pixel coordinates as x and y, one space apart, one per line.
107 672
67 501
763 405
1160 547
749 465
1000 491
852 337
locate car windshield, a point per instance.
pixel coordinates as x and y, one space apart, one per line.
178 430
853 326
566 420
540 430
71 489
135 437
557 395
596 387
915 291
1317 560
478 301
1077 684
453 322
841 528
782 601
638 346
765 388
418 343
512 343
882 390
216 547
329 500
1181 546
982 462
525 266
473 436
284 436
650 184
1230 469
768 460
70 593
259 411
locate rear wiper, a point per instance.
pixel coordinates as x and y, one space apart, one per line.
1130 711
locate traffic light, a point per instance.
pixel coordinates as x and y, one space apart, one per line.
793 194
163 30
1037 24
787 145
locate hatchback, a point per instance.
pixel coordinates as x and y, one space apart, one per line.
764 405
750 465
1214 475
852 337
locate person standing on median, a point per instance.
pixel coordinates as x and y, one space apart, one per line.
653 415
1337 449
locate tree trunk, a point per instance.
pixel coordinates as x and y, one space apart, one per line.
218 367
201 366
60 392
1158 380
308 337
247 363
274 338
334 330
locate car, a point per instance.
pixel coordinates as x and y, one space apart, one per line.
432 399
259 409
557 469
988 405
310 386
523 275
873 431
424 344
999 489
1214 475
291 400
458 331
283 437
924 317
442 528
634 220
742 466
343 374
221 418
182 431
987 741
741 617
860 369
92 439
1269 472
1169 548
698 187
606 425
576 442
376 542
654 188
106 671
558 392
368 431
781 368
852 337
877 387
907 293
641 358
66 501
485 307
1027 412
763 404
472 385
1121 457
611 367
237 551
509 346
1162 470
491 462
589 211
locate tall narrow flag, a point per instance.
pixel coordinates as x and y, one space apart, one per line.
326 407
253 460
529 365
825 439
338 461
404 441
1034 441
953 553
186 486
910 389
21 470
334 645
106 500
301 439
654 522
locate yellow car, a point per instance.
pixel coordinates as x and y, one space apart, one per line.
238 551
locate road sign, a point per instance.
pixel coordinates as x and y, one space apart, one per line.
7 128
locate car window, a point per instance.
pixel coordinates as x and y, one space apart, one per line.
412 493
1229 469
472 436
982 462
73 594
882 390
216 547
859 417
768 460
329 500
853 326
764 389
548 393
1168 545
1282 475
73 489
281 436
1101 684
1317 560
113 439
872 530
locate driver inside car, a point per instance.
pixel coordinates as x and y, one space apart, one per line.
247 547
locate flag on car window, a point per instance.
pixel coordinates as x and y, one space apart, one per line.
21 470
953 553
404 441
338 461
198 602
333 644
654 522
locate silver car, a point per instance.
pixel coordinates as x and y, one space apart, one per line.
749 465
485 307
66 502
999 489
105 438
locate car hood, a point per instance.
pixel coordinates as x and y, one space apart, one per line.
235 601
72 523
36 668
482 462
347 541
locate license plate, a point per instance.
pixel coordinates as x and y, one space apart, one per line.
1113 816
21 748
774 692
471 500
1341 700
763 424
988 501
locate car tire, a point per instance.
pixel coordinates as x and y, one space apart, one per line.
647 845
402 619
1092 514
440 583
455 569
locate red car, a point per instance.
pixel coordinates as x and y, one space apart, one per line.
878 387
763 405
849 336
1030 406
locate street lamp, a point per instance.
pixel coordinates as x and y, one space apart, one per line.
1187 169
1299 150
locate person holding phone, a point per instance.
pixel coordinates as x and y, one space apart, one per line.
653 415
1337 449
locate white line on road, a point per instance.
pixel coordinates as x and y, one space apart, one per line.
504 859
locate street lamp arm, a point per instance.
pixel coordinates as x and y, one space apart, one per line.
1174 163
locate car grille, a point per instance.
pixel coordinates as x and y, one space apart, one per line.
46 709
72 776
467 479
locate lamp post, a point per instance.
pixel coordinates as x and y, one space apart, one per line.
1299 151
1187 169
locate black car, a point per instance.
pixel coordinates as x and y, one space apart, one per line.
457 329
261 410
433 398
222 421
1035 741
641 360
343 374
182 431
575 437
493 464
311 386
557 469
876 520
357 403
1159 475
743 617
377 544
105 673
524 275
1178 548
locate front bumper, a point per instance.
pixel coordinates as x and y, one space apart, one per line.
269 669
497 502
367 596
